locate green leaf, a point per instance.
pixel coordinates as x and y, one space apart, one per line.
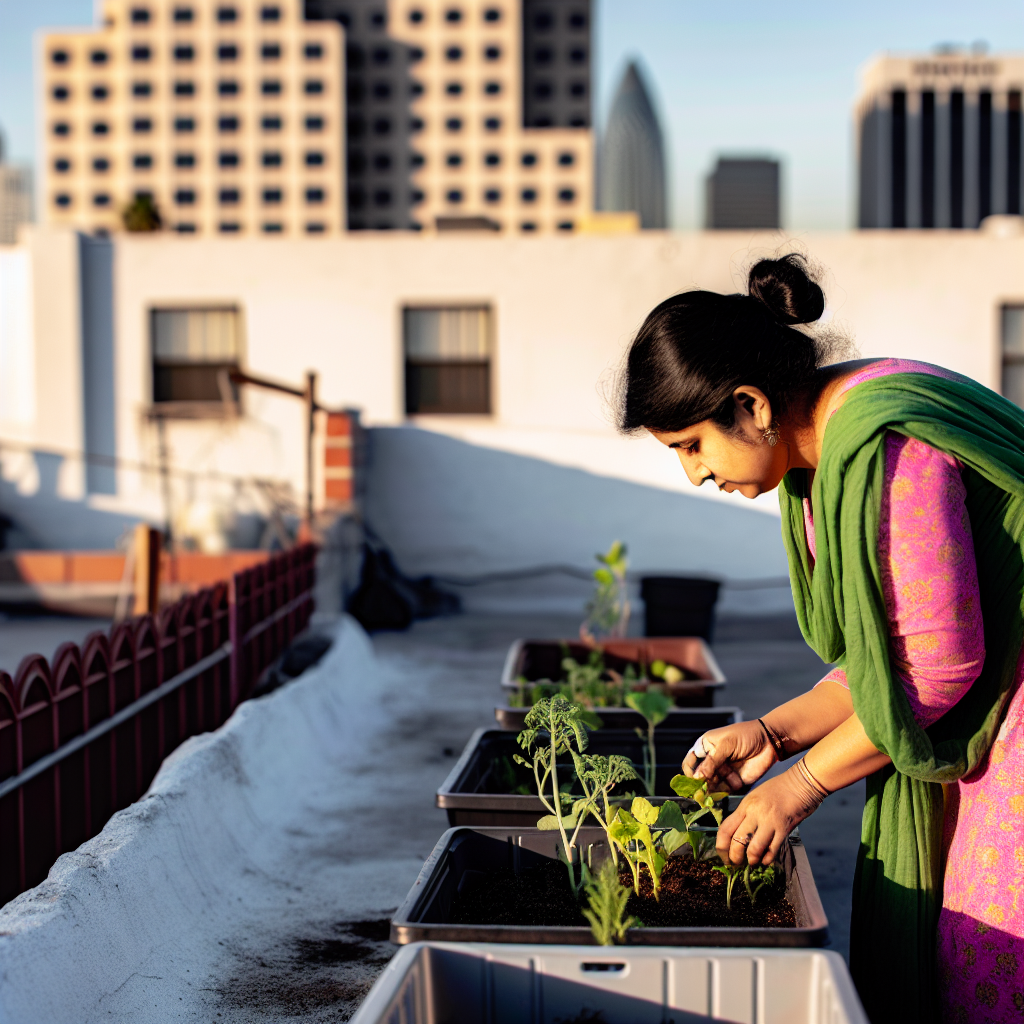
686 787
522 760
604 576
669 816
590 718
658 668
671 841
644 811
652 704
549 823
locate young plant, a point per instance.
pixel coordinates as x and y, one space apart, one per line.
606 911
561 722
697 791
654 706
648 835
608 609
598 776
754 879
669 673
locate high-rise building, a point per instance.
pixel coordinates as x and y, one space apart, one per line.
467 114
632 172
939 139
227 113
15 198
743 194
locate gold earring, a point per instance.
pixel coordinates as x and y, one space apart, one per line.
771 435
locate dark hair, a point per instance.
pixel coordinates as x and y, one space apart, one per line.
697 347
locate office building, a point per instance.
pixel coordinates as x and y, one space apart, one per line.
467 114
15 198
939 139
743 194
229 115
632 173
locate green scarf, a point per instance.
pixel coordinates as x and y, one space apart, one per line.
898 884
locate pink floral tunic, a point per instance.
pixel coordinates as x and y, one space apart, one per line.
937 646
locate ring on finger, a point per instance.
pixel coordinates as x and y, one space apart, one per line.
740 841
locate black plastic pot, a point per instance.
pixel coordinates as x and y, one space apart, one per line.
627 718
463 854
476 791
534 660
679 606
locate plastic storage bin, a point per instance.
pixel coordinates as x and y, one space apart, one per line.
542 659
428 983
463 854
474 795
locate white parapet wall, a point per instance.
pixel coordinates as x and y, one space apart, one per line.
236 826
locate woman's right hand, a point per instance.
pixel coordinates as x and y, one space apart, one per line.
736 756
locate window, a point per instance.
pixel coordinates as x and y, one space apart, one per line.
228 124
61 92
543 21
270 87
99 56
315 195
417 124
227 87
543 55
226 15
492 195
100 92
316 124
273 195
183 15
492 14
315 228
1012 337
492 159
492 124
453 124
492 53
453 15
142 89
381 90
528 195
381 55
416 88
62 129
271 158
101 199
185 228
417 159
381 126
578 89
378 19
313 87
184 160
140 16
447 360
577 21
566 159
270 51
184 197
273 229
417 196
454 160
101 165
382 197
577 55
227 51
416 16
229 227
543 90
63 200
229 196
566 195
184 124
193 351
492 88
453 88
142 161
454 195
100 128
228 158
62 166
528 226
453 53
565 225
60 57
141 125
313 51
382 162
141 53
315 159
529 159
184 53
416 54
270 14
271 124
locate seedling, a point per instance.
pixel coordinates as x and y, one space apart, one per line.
607 906
654 706
648 835
754 879
599 776
669 673
608 609
697 790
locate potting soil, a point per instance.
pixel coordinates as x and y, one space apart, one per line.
691 895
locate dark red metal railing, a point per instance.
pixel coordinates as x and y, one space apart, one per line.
83 737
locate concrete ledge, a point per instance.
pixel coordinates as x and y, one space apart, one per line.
167 877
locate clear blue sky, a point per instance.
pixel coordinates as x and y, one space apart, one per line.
761 77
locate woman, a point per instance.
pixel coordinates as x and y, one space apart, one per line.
901 487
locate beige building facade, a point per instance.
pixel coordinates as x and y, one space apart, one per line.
229 115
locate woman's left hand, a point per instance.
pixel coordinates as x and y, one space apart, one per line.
756 830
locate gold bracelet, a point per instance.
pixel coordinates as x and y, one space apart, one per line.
802 765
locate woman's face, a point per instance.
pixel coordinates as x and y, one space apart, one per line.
737 458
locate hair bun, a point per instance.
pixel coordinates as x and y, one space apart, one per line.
785 287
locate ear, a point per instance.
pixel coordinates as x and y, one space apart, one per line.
752 407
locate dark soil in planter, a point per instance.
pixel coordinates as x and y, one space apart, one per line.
691 895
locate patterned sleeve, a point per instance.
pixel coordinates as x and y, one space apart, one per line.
929 579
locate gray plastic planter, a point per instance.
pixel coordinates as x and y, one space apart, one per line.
428 983
542 659
626 718
474 795
464 853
